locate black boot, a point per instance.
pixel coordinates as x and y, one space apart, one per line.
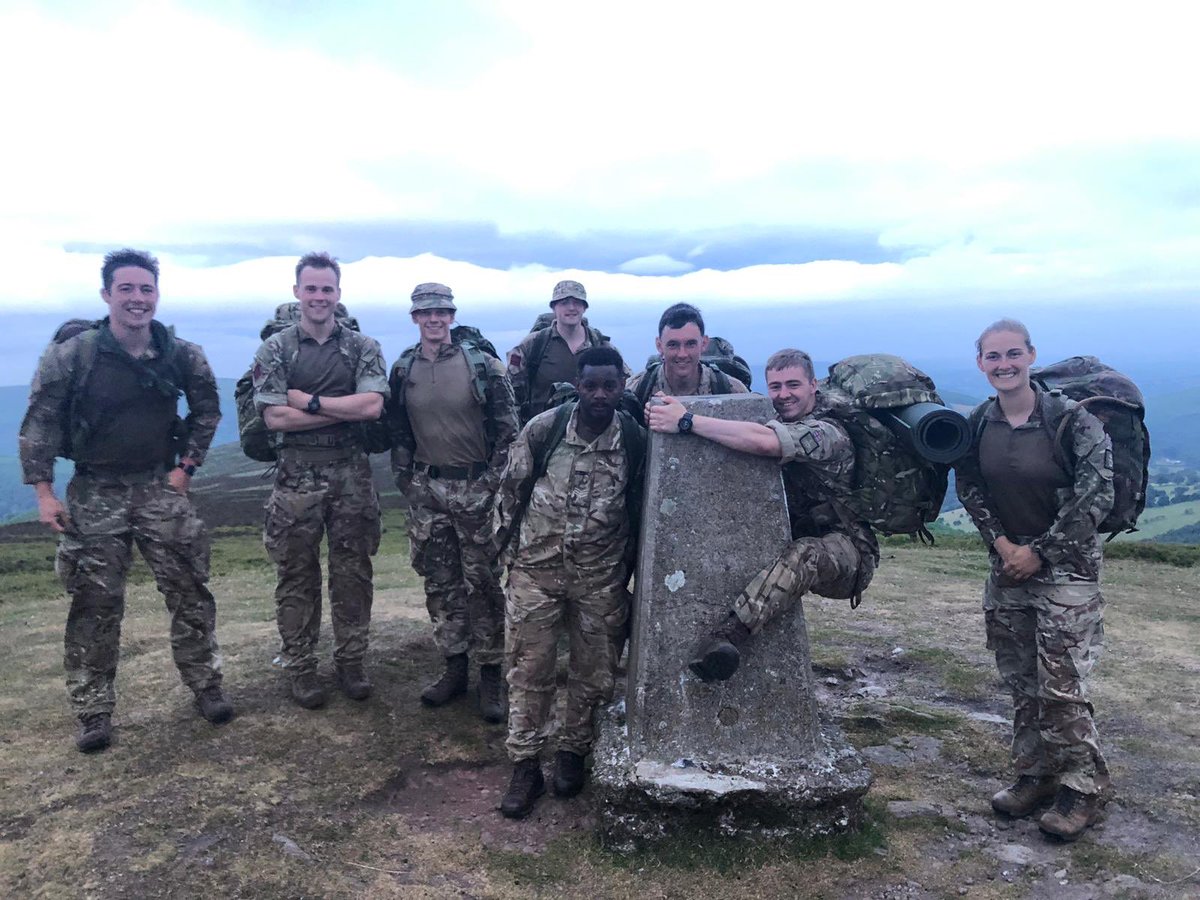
213 706
307 690
569 774
716 657
526 786
492 705
453 682
353 681
95 732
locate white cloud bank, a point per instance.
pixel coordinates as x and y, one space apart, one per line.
1031 147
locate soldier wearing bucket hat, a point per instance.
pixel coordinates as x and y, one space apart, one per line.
452 416
550 352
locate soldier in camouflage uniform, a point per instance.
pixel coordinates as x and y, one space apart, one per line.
1038 513
550 355
453 418
106 398
681 342
313 383
569 525
831 553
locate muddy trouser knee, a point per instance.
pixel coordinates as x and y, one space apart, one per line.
828 565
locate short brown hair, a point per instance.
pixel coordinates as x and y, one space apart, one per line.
791 359
1003 325
319 261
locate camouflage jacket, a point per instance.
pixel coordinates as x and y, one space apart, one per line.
818 471
273 361
499 416
45 429
1071 546
577 520
660 382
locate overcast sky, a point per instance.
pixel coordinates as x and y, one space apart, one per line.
768 154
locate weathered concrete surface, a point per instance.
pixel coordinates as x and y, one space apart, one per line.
748 754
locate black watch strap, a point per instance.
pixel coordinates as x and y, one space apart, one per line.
685 423
189 469
314 405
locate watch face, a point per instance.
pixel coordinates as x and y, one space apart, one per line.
685 423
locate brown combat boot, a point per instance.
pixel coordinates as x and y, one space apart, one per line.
1072 815
453 682
717 657
213 705
95 732
1022 798
526 786
307 691
353 681
569 774
492 705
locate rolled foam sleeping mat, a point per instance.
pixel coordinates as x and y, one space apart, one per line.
938 434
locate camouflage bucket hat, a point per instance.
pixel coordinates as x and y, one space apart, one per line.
565 289
431 295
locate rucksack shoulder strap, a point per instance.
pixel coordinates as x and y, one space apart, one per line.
551 439
721 382
537 352
646 386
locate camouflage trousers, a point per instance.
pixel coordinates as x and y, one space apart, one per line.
450 539
541 605
310 500
828 566
108 516
1047 638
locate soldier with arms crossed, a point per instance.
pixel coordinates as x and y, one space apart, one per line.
107 398
831 553
314 382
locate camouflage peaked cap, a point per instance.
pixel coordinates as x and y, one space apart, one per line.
431 295
565 289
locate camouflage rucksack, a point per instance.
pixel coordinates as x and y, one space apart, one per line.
895 489
1115 400
259 442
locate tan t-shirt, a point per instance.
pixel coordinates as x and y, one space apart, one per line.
446 418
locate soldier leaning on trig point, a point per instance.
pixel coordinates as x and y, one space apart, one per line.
107 398
831 553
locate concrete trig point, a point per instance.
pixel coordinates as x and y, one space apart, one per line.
750 755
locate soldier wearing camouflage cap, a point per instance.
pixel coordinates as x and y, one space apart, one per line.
452 416
314 381
550 353
831 553
106 397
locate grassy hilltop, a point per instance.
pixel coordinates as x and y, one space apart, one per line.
387 799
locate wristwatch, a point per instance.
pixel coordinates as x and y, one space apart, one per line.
189 469
314 405
685 423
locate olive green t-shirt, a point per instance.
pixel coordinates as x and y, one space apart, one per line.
447 419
